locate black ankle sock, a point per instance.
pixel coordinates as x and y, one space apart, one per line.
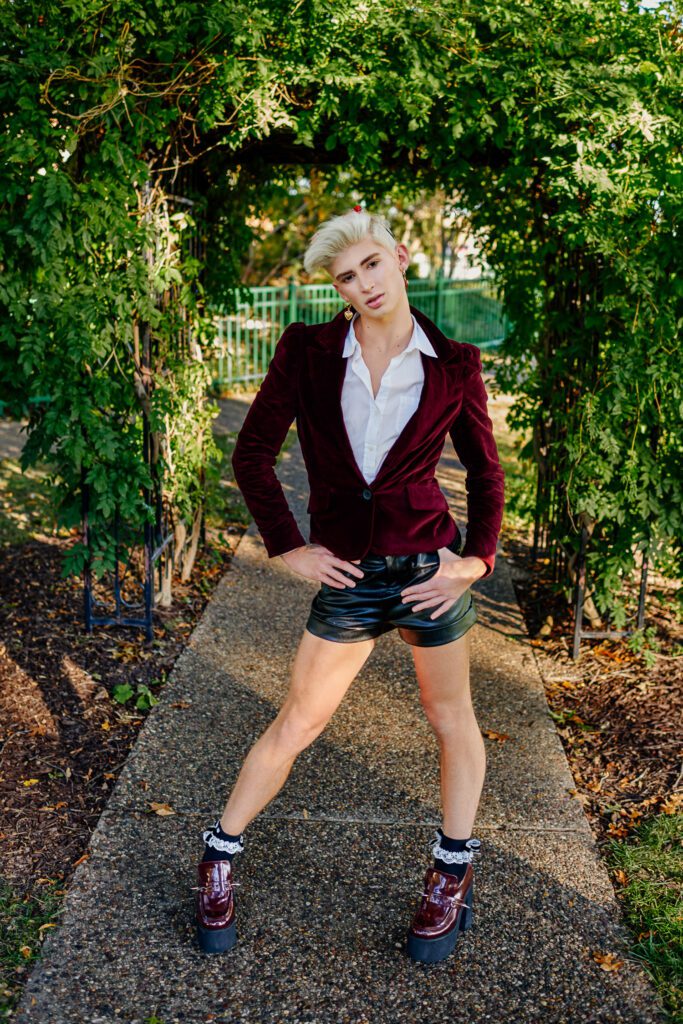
444 846
218 845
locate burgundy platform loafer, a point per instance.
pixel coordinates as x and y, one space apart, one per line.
445 910
215 917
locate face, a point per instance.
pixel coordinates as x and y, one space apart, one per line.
371 278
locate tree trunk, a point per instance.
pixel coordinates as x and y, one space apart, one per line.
164 598
191 552
180 532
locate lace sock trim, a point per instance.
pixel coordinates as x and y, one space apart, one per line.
456 856
224 845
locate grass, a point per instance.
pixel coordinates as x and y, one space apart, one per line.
26 498
652 899
224 501
24 922
520 487
25 503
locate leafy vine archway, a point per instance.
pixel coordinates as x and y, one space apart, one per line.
557 122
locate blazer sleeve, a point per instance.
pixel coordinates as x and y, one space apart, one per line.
258 444
472 435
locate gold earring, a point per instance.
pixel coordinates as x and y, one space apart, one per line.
348 312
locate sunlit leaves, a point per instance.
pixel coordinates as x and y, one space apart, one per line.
557 124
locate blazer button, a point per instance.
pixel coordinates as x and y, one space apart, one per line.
367 494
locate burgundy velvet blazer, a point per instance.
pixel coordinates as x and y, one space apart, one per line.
403 511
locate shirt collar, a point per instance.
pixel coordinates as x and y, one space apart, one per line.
418 339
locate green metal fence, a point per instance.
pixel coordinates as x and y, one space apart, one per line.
245 340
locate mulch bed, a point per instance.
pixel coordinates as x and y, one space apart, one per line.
63 739
619 718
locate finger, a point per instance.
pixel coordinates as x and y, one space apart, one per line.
426 587
333 576
342 563
351 567
421 590
441 609
335 584
428 603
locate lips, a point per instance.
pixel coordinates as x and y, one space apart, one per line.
374 301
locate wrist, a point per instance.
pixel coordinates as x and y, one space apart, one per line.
283 554
477 566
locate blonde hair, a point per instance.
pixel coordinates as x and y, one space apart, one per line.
340 232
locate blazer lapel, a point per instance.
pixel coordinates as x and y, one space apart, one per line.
436 395
328 368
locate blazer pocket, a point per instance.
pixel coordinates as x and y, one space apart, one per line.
426 494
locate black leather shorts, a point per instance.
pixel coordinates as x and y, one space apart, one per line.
374 605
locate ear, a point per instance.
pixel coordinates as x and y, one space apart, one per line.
402 255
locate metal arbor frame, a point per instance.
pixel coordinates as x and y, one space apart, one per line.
580 586
550 518
157 539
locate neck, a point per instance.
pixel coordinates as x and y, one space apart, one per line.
387 333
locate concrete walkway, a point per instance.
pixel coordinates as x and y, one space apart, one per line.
333 867
12 438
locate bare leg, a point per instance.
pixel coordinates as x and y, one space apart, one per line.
443 674
322 672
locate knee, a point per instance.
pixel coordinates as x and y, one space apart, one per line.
447 718
294 730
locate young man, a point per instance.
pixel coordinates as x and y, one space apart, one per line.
374 393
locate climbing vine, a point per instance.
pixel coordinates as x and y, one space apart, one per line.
127 129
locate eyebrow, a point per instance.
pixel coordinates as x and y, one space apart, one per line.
370 257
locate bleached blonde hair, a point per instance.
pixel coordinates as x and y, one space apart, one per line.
340 232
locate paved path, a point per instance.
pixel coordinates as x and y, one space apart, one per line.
12 438
332 869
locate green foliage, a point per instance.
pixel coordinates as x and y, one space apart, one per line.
653 867
579 210
123 692
25 920
644 641
556 125
93 255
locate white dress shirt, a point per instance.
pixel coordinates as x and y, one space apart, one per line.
373 424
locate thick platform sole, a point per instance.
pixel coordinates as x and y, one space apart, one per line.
430 951
216 940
